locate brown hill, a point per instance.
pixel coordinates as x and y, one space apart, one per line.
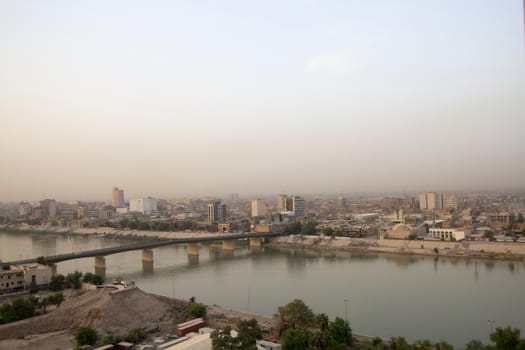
108 313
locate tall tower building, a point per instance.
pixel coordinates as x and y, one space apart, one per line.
298 206
118 197
259 208
216 211
282 202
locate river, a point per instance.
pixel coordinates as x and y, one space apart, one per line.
418 297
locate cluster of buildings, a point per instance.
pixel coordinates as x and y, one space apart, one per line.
428 215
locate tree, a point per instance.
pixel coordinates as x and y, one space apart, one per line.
399 343
222 339
73 279
424 344
93 279
375 344
86 336
57 299
329 232
322 321
135 335
341 332
506 338
297 339
57 283
249 332
247 336
308 229
293 228
475 345
196 310
44 302
41 260
443 345
295 314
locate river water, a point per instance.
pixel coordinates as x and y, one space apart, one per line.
417 297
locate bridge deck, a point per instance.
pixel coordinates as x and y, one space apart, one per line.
138 246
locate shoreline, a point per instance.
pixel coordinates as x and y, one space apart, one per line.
475 250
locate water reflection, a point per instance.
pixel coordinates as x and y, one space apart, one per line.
147 267
193 260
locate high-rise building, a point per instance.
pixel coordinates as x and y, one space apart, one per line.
49 207
437 201
340 203
216 211
146 206
282 203
118 197
298 206
259 208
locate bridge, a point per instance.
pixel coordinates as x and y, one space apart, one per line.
146 247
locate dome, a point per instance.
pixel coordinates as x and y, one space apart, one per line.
402 228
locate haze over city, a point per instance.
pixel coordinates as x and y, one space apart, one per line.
206 98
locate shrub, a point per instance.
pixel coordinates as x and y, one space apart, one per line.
86 336
197 310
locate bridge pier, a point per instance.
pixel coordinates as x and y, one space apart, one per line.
147 267
147 255
227 245
193 249
100 262
100 266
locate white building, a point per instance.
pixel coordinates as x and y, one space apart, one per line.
446 234
259 208
40 274
145 206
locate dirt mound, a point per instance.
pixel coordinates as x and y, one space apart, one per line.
108 313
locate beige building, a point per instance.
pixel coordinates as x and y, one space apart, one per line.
259 208
402 231
11 280
40 274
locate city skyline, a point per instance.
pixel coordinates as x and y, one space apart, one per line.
204 99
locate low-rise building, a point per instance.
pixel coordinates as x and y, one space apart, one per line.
38 274
11 280
446 234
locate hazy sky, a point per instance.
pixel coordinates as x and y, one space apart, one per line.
178 98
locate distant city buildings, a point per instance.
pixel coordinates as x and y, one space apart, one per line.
146 206
117 197
340 203
216 211
293 205
259 208
437 201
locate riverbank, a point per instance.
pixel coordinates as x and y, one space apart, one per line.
483 250
470 249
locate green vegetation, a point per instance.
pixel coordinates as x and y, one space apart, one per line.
295 314
57 283
109 338
301 329
93 279
248 333
86 336
135 335
41 260
73 279
19 309
196 310
56 299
